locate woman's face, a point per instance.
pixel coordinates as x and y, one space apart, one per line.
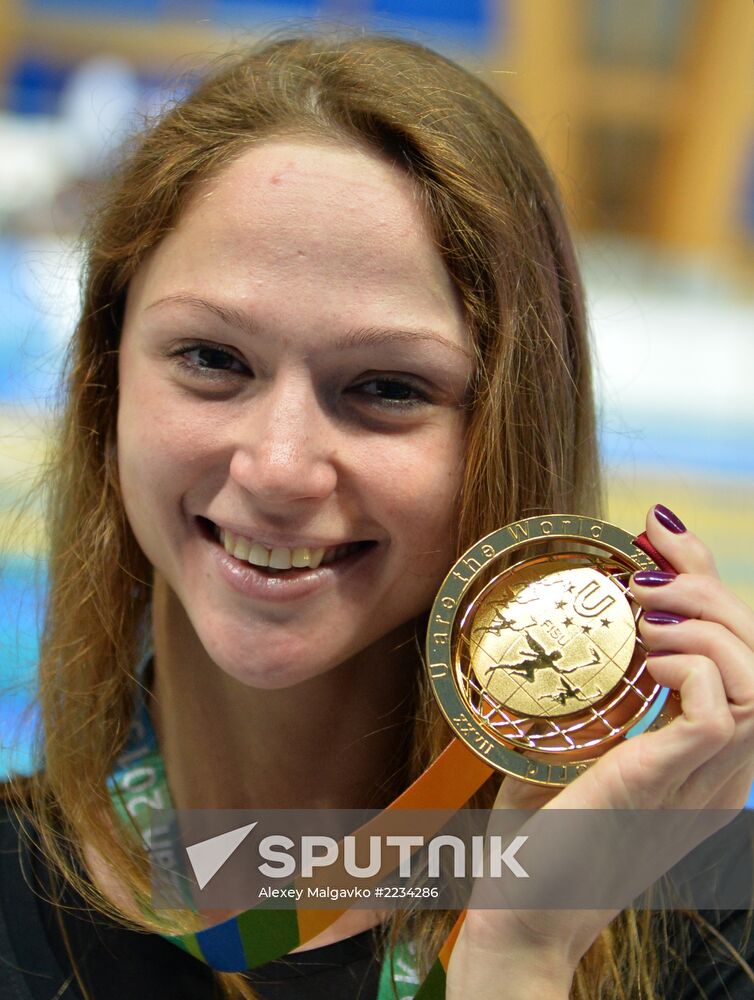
293 367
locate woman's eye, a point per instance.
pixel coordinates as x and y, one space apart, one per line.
393 392
206 359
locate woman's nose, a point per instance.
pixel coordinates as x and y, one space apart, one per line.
284 449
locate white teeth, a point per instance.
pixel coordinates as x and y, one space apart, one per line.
241 550
280 557
316 557
259 555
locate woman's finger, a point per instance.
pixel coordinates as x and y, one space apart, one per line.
702 787
724 784
694 596
665 632
684 551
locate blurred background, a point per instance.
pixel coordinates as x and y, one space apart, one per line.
646 113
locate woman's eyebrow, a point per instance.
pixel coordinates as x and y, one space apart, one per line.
229 315
374 336
365 336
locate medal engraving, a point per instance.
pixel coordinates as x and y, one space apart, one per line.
539 669
560 641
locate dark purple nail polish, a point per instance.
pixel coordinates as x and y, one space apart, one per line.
662 618
668 519
653 577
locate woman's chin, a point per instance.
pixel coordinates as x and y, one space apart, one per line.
269 677
266 668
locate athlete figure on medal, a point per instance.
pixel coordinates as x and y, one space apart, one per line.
541 660
332 333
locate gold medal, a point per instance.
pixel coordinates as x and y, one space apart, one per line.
533 652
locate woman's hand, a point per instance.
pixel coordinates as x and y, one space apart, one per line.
701 639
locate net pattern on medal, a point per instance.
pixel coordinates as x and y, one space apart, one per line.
589 726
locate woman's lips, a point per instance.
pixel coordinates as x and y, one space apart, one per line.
287 584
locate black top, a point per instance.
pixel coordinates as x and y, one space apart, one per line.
117 963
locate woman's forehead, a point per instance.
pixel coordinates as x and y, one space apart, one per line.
289 182
336 227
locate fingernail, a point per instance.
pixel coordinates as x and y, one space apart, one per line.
668 519
653 577
662 618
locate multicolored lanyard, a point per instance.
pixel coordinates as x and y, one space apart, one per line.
257 936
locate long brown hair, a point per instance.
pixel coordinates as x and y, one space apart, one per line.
499 225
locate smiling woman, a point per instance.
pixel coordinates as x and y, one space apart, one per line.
332 334
326 403
309 434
